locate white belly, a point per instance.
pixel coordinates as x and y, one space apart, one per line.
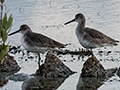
82 41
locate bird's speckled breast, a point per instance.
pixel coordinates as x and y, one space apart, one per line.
24 44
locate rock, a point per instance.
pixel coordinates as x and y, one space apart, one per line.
53 67
9 65
3 82
94 75
93 83
92 68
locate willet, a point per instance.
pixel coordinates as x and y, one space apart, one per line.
90 38
35 42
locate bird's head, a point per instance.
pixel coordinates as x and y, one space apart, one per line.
23 29
78 18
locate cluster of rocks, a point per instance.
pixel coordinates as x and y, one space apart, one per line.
54 70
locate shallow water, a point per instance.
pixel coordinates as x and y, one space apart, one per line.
48 17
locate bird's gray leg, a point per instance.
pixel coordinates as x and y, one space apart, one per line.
39 58
25 55
92 53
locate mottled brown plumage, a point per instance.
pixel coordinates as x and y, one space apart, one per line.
39 40
98 38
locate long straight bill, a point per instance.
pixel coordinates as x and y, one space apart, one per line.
14 32
69 22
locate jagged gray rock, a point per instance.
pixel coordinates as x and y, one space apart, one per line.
9 65
53 67
7 68
92 67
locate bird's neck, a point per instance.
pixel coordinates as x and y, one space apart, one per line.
80 26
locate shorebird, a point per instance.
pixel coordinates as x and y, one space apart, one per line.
90 38
35 42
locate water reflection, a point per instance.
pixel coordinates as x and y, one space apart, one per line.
90 83
39 83
3 80
93 83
